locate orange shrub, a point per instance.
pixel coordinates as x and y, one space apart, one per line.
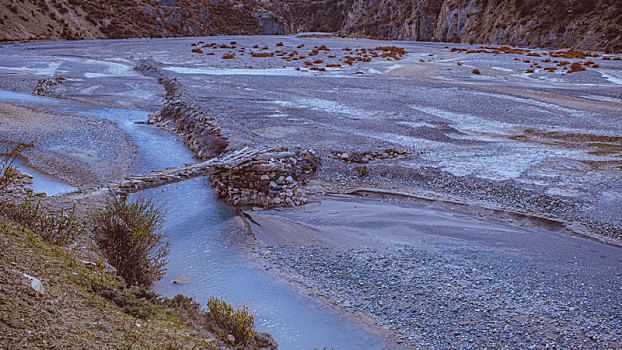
262 54
576 67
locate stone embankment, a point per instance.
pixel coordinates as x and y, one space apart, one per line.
198 130
19 187
269 178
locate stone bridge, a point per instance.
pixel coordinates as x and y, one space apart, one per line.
169 176
262 177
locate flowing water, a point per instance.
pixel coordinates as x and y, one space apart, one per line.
208 248
42 183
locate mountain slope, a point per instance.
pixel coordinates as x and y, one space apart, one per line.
586 25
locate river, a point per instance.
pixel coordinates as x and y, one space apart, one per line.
208 246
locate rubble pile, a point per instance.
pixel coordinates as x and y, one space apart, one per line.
271 179
366 157
49 87
19 186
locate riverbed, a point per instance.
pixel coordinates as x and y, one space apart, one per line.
488 231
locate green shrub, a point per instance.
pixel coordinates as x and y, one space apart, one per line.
59 227
239 323
131 236
9 151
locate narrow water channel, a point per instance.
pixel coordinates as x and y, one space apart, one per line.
208 246
42 183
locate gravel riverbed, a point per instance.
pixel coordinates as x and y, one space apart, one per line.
463 299
532 159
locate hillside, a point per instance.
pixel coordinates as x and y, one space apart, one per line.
75 19
586 25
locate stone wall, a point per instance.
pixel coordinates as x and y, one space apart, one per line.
271 179
195 128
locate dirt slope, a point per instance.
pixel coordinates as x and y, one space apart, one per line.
74 19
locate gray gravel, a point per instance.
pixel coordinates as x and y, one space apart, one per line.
464 299
601 218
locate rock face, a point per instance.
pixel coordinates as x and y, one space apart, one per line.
588 25
400 20
73 19
582 24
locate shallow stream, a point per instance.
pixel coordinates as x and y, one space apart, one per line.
208 248
42 183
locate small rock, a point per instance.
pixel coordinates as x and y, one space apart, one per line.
265 341
35 283
89 264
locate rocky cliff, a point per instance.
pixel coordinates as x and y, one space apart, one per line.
77 19
582 24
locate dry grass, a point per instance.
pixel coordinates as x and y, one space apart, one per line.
83 305
570 54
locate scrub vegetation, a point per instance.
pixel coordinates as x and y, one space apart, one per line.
131 236
58 291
